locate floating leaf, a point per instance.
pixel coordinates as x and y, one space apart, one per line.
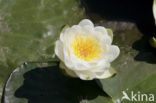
28 30
136 71
44 83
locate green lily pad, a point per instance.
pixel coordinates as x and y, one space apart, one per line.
28 30
135 66
44 83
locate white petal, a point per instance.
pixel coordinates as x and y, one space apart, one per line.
101 67
101 29
106 39
108 73
75 28
112 53
79 64
86 22
72 62
67 58
62 35
87 30
59 50
104 34
103 38
104 31
65 28
85 75
70 33
68 71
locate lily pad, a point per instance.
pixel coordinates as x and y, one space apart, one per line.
136 64
44 83
28 30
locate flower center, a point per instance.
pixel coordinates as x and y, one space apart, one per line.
86 48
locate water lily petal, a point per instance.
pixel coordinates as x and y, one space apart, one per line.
68 71
85 75
70 33
112 53
108 73
87 30
59 49
86 22
101 29
101 67
79 64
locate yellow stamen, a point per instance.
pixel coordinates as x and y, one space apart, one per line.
86 48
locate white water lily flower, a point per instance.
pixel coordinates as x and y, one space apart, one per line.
86 52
